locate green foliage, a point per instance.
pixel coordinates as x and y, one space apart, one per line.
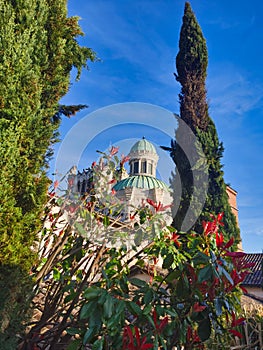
14 303
192 54
38 50
217 197
92 294
191 64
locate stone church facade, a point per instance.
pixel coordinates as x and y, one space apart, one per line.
135 187
141 183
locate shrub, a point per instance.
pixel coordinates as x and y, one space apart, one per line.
176 289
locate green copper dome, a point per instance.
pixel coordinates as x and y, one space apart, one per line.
143 145
140 181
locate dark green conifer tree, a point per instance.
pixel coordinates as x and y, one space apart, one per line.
38 49
191 64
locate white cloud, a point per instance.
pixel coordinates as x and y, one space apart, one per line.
232 92
223 23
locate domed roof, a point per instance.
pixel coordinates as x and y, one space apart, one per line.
143 145
141 181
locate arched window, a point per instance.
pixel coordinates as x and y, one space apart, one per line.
150 168
144 167
136 167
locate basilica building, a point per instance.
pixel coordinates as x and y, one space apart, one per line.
142 183
136 186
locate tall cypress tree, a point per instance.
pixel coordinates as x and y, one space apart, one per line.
38 49
191 64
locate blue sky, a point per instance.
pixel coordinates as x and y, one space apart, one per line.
137 42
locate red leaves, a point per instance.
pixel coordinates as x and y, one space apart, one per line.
219 239
161 325
124 159
247 265
113 151
151 202
229 243
174 238
192 276
198 308
235 254
209 290
237 274
219 219
212 226
237 279
132 217
158 207
235 323
209 227
53 191
155 260
235 333
127 339
238 261
56 183
192 336
244 290
112 181
132 341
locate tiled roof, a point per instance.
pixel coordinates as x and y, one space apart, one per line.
140 181
255 278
